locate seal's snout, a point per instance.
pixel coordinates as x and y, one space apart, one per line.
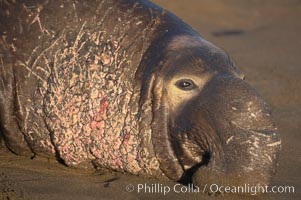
245 142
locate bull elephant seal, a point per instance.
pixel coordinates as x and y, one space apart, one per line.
126 85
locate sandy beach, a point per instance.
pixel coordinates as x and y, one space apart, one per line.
263 38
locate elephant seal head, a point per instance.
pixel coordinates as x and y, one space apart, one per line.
208 124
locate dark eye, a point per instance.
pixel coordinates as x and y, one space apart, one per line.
185 84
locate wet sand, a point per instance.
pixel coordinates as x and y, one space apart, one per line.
263 37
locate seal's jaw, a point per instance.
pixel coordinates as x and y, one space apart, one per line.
250 159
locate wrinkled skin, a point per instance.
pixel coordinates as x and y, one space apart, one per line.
128 86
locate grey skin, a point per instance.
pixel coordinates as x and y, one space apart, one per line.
127 85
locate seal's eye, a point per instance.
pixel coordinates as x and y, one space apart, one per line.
185 84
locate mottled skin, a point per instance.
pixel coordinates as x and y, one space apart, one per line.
128 86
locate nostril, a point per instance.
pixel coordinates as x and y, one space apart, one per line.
188 174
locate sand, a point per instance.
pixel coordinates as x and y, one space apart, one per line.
263 38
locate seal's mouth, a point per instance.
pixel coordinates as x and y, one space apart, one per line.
252 162
187 177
